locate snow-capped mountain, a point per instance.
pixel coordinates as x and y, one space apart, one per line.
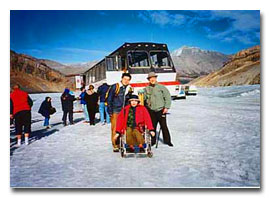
194 62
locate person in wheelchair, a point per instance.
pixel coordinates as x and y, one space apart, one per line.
132 120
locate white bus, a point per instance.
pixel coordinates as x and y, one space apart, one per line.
138 59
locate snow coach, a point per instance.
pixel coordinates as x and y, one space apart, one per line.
138 59
191 90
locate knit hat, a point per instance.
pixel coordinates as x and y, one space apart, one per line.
66 91
134 97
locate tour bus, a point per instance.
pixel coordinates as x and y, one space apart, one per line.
138 59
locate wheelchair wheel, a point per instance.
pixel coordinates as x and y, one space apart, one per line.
149 154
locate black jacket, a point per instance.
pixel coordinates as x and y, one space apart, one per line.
45 107
67 102
91 100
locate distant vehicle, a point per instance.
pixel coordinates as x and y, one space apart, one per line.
191 90
182 93
138 59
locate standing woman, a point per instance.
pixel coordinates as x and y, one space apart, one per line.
44 110
91 99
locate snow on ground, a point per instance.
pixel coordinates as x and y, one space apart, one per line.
216 137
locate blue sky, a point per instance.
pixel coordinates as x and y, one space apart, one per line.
82 36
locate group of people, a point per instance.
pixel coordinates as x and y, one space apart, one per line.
128 116
117 105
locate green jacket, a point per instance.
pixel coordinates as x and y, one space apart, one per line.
157 97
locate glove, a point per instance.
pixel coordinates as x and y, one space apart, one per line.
116 136
153 133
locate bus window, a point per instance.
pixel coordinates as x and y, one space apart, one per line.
112 63
138 59
160 59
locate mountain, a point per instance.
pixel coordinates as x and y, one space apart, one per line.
243 68
192 62
35 75
69 69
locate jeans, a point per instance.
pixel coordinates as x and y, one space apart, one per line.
86 115
46 122
102 108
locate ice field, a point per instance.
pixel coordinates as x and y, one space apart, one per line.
216 137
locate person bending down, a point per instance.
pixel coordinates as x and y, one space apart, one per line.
132 120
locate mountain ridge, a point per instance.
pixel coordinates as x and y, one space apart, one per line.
243 68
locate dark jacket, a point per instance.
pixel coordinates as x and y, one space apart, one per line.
117 101
102 90
45 107
67 102
91 100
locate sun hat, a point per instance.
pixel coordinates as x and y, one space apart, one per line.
151 74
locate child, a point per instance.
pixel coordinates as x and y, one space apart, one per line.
132 120
44 110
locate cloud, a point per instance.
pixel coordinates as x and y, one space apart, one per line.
224 25
244 26
162 18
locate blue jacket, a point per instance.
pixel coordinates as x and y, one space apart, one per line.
117 102
102 90
44 108
82 98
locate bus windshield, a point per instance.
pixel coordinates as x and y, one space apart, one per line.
138 59
160 59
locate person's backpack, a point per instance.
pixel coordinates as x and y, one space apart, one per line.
117 89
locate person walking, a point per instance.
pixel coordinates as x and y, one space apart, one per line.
45 110
91 99
102 90
158 101
67 106
20 110
118 96
84 105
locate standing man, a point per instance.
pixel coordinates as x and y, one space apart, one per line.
158 101
102 90
67 106
118 96
20 110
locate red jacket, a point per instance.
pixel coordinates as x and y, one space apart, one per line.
142 119
20 101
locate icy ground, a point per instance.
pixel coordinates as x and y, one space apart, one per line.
216 137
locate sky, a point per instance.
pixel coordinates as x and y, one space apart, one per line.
83 36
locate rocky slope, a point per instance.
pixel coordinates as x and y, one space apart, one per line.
69 69
193 62
35 76
242 69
